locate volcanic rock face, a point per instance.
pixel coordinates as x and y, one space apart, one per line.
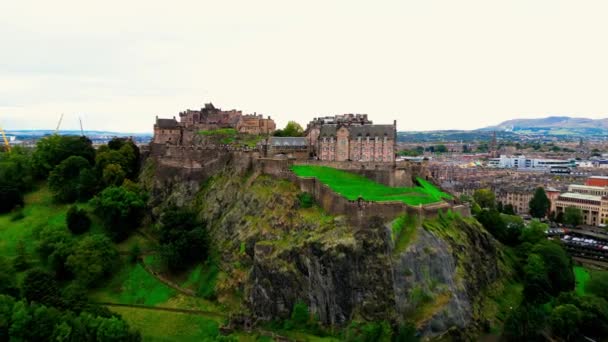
290 254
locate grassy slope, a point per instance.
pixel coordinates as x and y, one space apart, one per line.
352 186
582 276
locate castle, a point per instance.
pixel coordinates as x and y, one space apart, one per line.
170 131
340 138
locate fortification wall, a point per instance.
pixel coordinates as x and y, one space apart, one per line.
197 163
358 212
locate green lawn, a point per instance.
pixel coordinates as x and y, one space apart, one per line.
353 186
133 285
170 326
39 212
581 276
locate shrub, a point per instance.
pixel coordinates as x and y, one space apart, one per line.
306 200
77 220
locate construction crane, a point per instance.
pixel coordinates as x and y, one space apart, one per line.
59 124
6 143
81 130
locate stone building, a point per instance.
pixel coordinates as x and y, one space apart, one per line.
292 147
351 137
167 131
184 132
255 124
210 117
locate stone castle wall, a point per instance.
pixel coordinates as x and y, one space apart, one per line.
359 211
196 164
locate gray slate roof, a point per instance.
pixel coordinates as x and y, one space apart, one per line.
363 130
166 123
288 141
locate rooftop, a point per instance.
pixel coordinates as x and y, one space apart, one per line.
574 195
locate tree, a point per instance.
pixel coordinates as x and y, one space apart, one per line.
536 280
524 323
183 239
52 150
598 284
558 264
40 286
10 197
93 258
64 180
113 175
77 220
514 225
292 129
565 321
508 209
8 283
535 232
539 204
120 210
573 216
20 262
485 198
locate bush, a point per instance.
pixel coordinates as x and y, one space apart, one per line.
77 220
306 200
10 197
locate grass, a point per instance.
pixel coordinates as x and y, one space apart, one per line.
581 276
170 326
226 135
39 212
353 186
133 285
403 232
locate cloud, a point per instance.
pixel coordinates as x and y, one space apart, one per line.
429 64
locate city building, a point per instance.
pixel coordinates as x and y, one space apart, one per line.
594 208
520 162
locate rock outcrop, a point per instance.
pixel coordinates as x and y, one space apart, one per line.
276 253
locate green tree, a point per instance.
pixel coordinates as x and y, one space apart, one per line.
508 209
113 175
558 264
8 283
598 284
292 129
539 204
93 258
120 210
485 198
183 239
565 321
40 286
77 220
535 232
20 262
573 216
52 150
525 323
536 280
10 198
64 180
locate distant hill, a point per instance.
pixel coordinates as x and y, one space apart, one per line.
553 125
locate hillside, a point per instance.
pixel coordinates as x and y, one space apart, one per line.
553 125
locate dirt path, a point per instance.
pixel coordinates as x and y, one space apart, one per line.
176 287
159 308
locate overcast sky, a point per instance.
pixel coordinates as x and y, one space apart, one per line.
429 64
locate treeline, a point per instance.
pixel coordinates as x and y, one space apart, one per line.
549 306
49 301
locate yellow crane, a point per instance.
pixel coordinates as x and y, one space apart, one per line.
6 143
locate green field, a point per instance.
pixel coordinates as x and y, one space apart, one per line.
170 326
582 276
353 186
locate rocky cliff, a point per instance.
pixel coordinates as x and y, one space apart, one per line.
275 253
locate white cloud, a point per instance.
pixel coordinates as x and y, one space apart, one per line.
429 64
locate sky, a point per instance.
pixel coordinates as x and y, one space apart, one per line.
428 64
